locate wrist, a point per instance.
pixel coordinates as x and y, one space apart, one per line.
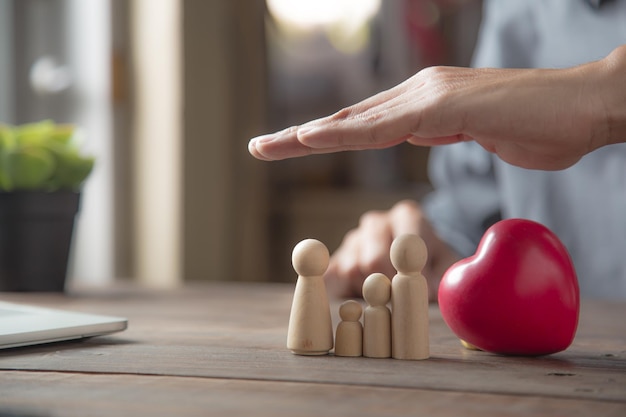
610 92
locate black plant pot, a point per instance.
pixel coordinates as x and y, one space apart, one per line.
35 236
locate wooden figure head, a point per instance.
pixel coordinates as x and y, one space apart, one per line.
310 258
377 289
350 310
408 254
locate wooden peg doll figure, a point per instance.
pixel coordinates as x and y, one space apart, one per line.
310 325
377 317
409 299
349 339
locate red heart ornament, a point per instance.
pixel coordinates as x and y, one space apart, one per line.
517 295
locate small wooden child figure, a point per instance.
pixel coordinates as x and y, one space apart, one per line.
409 299
349 338
377 317
310 326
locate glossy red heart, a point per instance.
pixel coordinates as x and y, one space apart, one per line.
517 295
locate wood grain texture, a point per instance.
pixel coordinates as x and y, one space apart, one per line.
49 393
238 332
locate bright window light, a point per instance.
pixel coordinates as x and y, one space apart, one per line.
306 14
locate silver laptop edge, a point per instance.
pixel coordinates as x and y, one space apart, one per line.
25 325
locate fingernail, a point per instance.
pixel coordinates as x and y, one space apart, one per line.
252 148
262 139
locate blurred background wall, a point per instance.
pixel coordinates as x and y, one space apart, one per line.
168 93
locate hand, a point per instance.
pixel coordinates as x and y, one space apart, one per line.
365 250
533 118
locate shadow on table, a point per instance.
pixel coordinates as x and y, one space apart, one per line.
20 413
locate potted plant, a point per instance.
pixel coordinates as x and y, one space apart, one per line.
41 173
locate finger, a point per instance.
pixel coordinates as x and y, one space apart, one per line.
344 273
363 106
252 148
372 118
284 144
382 98
364 250
405 217
276 146
439 263
335 284
437 141
367 104
351 129
376 238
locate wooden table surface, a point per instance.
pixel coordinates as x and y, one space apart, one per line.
219 349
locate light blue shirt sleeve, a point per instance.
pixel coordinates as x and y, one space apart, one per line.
465 201
585 205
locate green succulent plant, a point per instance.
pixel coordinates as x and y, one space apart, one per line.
41 156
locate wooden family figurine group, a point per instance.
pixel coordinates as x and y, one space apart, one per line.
401 333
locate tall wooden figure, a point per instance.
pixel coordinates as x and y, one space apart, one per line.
310 326
409 299
377 317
